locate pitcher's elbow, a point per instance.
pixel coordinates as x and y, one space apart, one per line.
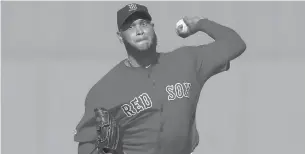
243 46
240 45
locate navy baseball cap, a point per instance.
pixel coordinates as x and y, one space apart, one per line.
129 10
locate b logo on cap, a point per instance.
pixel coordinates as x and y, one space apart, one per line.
132 7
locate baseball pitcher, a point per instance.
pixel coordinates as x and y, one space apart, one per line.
147 103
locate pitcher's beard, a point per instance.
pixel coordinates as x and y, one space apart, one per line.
144 57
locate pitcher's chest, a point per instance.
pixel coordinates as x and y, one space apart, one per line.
151 89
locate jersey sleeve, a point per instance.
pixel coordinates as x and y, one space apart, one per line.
86 130
98 96
210 60
195 137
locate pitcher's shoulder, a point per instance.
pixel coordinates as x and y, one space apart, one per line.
180 52
105 86
111 76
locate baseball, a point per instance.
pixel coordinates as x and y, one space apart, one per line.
181 27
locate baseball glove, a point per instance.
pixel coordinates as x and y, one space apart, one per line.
108 133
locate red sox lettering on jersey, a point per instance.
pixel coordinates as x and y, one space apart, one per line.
137 105
178 90
144 102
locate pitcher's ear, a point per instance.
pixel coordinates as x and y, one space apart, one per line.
119 35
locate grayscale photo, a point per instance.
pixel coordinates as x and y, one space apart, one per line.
153 77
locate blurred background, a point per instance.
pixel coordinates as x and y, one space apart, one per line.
54 52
